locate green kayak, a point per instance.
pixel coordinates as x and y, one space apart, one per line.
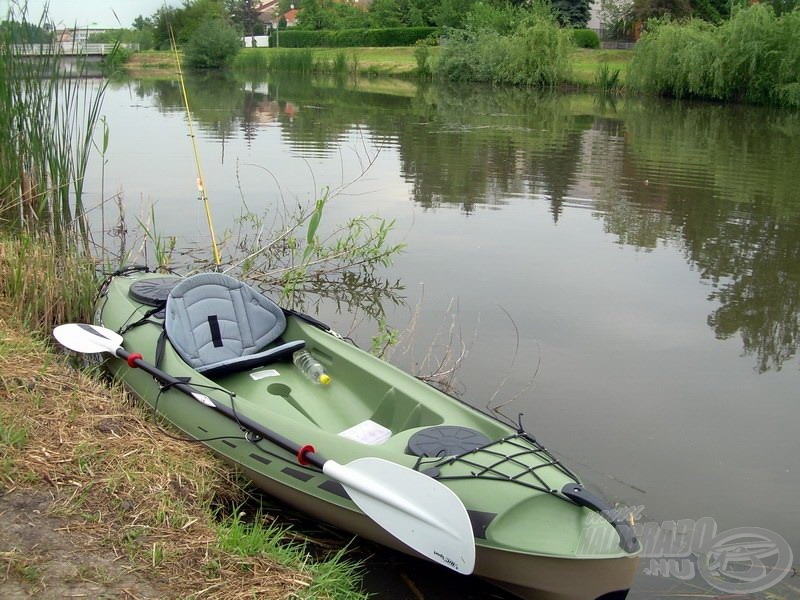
537 532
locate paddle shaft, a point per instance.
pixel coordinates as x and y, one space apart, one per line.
417 510
305 454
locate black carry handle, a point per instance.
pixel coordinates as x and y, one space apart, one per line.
580 496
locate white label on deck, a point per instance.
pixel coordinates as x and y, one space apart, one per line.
368 432
265 373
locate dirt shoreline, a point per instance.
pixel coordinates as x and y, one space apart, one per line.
97 502
40 557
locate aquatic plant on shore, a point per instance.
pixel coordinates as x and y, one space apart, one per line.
43 285
47 120
296 60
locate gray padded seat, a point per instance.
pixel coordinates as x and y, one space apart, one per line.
220 325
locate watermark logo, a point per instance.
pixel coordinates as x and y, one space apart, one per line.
746 560
743 560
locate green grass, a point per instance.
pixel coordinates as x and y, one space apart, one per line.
382 61
367 61
587 62
12 435
402 62
255 538
154 500
46 281
398 62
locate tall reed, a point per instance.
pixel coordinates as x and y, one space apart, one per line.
44 286
295 60
47 120
752 58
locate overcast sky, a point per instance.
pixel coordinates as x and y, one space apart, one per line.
91 13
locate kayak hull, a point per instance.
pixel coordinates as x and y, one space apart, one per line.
530 540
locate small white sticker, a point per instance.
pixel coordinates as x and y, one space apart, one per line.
368 432
265 373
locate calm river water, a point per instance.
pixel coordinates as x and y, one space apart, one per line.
626 273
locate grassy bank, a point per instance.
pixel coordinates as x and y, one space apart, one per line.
587 62
147 510
399 62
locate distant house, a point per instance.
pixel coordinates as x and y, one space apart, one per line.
71 39
269 11
595 17
291 17
269 14
78 35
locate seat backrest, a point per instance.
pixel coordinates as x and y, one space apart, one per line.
214 320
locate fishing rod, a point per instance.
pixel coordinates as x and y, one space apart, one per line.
201 184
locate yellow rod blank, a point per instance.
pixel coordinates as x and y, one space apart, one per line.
201 184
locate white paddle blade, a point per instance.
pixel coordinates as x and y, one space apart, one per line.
416 509
88 339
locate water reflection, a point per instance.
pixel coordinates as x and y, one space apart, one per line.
718 183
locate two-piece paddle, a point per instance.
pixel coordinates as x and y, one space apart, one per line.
416 509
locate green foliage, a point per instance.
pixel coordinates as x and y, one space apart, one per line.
303 258
184 21
607 79
113 61
143 37
651 9
213 45
350 38
618 17
572 13
165 18
422 54
782 7
315 15
385 13
503 18
140 23
244 16
753 58
382 14
22 32
452 13
536 53
585 38
713 11
350 17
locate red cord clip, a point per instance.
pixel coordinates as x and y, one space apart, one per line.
132 358
301 454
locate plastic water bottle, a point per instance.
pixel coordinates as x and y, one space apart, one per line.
310 367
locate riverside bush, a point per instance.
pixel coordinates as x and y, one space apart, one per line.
585 38
536 53
213 45
751 58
